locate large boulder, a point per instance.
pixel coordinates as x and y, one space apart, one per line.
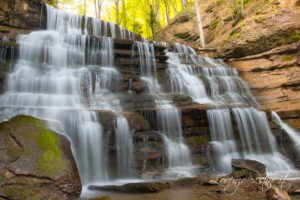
36 163
256 168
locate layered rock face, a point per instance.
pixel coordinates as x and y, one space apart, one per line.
263 46
36 163
120 99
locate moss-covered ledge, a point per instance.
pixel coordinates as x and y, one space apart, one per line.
36 163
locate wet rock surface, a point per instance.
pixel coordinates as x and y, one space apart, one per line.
36 163
258 169
145 187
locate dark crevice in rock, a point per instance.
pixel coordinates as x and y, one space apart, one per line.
15 140
30 176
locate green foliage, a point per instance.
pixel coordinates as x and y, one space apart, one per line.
151 21
51 162
52 2
137 27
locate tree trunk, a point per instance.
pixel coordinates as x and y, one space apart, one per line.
117 11
124 13
84 7
183 3
100 3
157 14
202 42
96 10
167 10
242 8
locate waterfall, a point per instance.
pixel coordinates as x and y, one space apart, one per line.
148 65
124 148
56 70
223 140
292 133
209 81
168 117
184 81
68 77
258 142
178 153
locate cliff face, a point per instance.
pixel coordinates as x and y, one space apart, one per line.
264 47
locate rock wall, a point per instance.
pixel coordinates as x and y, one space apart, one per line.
23 14
263 46
36 163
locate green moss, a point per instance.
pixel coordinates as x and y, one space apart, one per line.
295 36
258 19
29 134
287 57
28 152
198 140
235 35
51 162
13 152
19 120
10 43
20 192
213 25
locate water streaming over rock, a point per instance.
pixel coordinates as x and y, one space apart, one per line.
52 81
168 116
211 81
66 75
292 133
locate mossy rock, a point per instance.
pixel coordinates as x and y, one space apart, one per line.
36 163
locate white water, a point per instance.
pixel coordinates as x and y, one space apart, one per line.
51 81
256 139
184 81
124 148
209 81
292 133
168 117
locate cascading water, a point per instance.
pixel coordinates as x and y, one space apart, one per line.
125 148
210 81
65 76
222 138
179 159
58 76
184 81
168 117
292 133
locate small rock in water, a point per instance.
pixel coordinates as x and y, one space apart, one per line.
255 168
100 198
275 193
144 187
